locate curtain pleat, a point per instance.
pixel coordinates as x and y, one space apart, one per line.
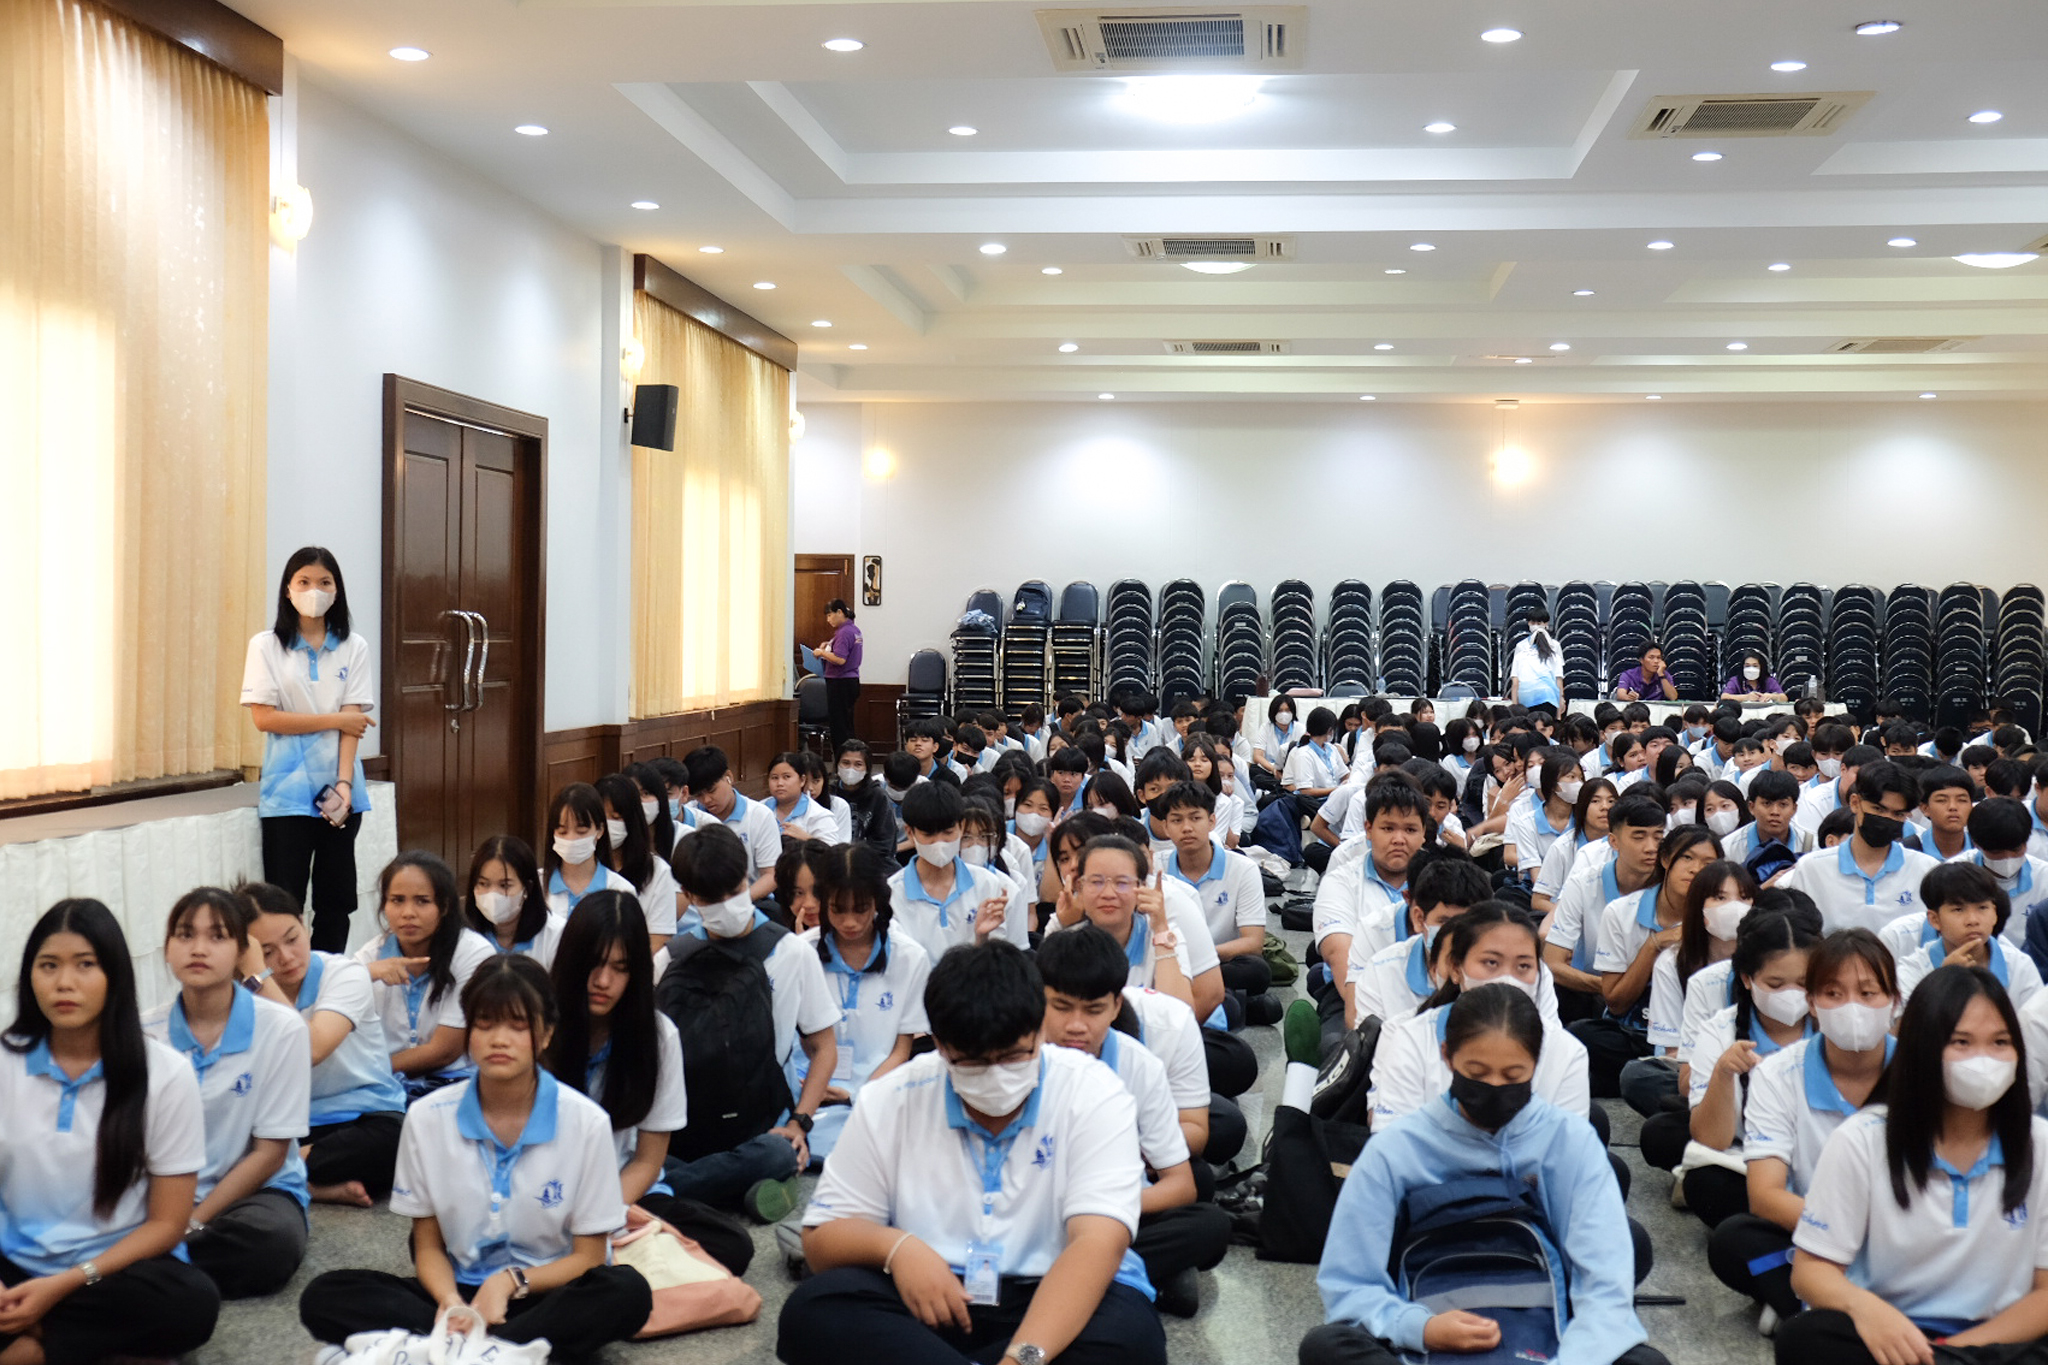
133 321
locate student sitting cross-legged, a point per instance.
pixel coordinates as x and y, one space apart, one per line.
512 1182
982 1199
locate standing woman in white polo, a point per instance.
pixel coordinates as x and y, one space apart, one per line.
308 687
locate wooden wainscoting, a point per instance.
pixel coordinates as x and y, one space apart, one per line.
874 715
751 734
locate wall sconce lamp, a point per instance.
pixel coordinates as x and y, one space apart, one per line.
291 216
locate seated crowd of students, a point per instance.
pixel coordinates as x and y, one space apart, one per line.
901 973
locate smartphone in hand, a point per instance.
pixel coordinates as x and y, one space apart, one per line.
332 804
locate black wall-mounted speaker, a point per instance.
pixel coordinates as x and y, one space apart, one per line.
654 415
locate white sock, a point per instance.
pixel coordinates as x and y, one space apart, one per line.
1300 1086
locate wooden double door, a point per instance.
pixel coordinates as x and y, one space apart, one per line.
464 585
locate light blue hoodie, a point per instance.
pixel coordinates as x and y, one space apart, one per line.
1554 1151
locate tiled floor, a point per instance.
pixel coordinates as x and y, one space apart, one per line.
1252 1311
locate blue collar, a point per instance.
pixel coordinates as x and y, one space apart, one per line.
1894 859
327 646
913 887
1214 873
309 989
803 803
1937 952
556 886
1646 906
1959 1181
540 1124
40 1063
1417 974
239 1035
1141 935
2025 882
1543 825
1110 1050
878 960
1822 1094
1765 1044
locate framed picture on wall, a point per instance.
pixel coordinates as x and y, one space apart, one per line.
871 580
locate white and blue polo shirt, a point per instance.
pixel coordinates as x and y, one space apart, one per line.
256 1082
355 1078
941 923
305 681
1850 900
1231 892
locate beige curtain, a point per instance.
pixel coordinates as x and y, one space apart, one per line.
133 301
710 524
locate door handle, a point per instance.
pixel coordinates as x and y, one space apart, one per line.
483 657
461 704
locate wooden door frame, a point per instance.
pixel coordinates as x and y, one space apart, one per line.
402 395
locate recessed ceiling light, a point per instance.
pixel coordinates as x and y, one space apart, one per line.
1659 245
1068 348
531 130
993 248
1788 66
822 322
1706 156
1394 272
1050 270
857 346
1927 395
842 44
411 54
1368 398
1383 346
1779 265
1105 397
1877 28
645 204
1986 116
1902 241
1738 345
1216 267
962 130
1560 345
712 250
1421 246
1439 127
764 284
1997 260
1524 360
1653 397
1582 293
1500 35
1190 99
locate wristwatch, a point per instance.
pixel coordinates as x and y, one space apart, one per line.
1025 1354
520 1288
804 1122
93 1276
254 982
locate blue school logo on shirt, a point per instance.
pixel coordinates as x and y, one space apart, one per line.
888 1001
341 674
1905 898
1043 1156
550 1194
2017 1219
244 1083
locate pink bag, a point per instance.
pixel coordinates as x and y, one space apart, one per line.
691 1290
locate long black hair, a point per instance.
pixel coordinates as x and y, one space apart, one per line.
581 800
1693 940
447 932
1539 634
122 1157
1764 934
517 855
1918 1093
661 830
604 921
1465 931
636 856
849 876
286 628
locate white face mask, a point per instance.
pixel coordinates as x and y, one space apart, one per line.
1978 1082
2005 867
895 794
1568 792
976 856
650 809
576 851
1751 672
1829 767
1229 785
311 601
1682 817
1854 1027
1109 812
939 852
1528 988
1283 720
1009 807
850 776
615 830
498 907
1470 744
675 808
730 917
1725 918
1787 1006
1723 822
1031 824
995 1090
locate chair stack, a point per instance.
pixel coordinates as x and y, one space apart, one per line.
1468 639
1577 620
1027 639
924 690
1076 641
1183 642
1129 638
1403 640
1628 628
1855 625
1522 599
1801 656
1294 656
974 654
1348 637
1960 653
1747 628
1688 646
1240 640
1907 670
2021 654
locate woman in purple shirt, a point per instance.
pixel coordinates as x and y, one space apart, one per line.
1752 682
841 656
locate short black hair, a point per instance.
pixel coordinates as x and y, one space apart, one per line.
1186 793
1159 762
1856 755
706 765
899 770
930 807
1394 793
1083 962
1965 884
1942 776
1637 808
981 998
2000 822
1831 737
1772 785
1450 881
967 735
1068 760
1873 780
2008 777
1841 820
711 863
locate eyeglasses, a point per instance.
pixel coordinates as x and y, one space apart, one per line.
1123 886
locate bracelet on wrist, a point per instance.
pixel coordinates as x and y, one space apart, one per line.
888 1260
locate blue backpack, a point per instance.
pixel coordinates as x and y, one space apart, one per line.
1482 1244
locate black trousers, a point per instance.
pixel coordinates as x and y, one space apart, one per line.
1818 1337
1247 972
724 1236
598 1307
855 1314
1609 1048
159 1307
1233 1066
1572 1006
296 847
840 696
1227 1131
253 1246
1753 1256
1347 1343
1663 1139
1191 1237
1716 1194
363 1149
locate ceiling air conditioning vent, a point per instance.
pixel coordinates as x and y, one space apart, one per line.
1897 345
1747 115
1258 38
1227 348
1252 248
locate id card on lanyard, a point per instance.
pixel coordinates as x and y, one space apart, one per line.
980 1272
849 1002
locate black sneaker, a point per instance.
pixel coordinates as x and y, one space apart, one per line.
1181 1295
1264 1008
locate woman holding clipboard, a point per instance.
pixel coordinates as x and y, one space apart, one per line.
308 687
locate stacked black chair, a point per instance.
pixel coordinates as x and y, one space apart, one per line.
1960 653
1076 642
1907 668
1295 658
1688 646
1629 619
1183 642
1348 638
1404 641
1746 627
1129 638
1468 638
1855 626
924 690
1522 599
1027 642
2020 655
1240 640
1577 623
1800 658
974 653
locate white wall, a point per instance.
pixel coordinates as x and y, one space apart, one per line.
993 494
417 267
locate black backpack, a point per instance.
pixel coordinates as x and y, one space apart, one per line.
719 996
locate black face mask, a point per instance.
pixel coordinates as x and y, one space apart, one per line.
1491 1107
1879 830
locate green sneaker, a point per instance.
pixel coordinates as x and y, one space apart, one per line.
771 1201
1303 1031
